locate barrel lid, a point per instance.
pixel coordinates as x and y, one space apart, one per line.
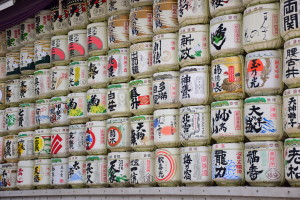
164 75
165 36
26 163
58 99
43 131
26 134
264 54
100 91
79 158
142 155
118 17
261 8
263 99
140 82
13 81
141 46
117 120
65 37
9 165
58 130
59 68
79 94
104 24
227 60
12 109
141 118
42 72
142 8
78 63
194 109
76 126
122 155
118 86
118 51
42 101
27 77
291 92
96 157
10 137
221 19
96 123
97 58
191 69
167 151
195 149
292 42
60 160
194 28
42 161
263 145
162 112
228 146
81 31
26 49
27 105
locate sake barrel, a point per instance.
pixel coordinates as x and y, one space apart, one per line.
11 148
42 113
118 65
2 95
42 53
77 18
9 176
3 65
77 171
118 100
3 129
96 138
194 85
263 118
165 52
59 111
59 50
77 139
59 80
12 92
1 152
27 88
218 8
25 175
263 32
42 173
195 165
96 171
118 7
166 90
142 169
118 134
3 46
11 120
60 142
13 35
77 108
264 163
226 35
193 12
118 169
42 143
140 24
97 67
141 99
166 128
59 18
248 3
27 31
97 10
43 24
194 129
289 17
290 112
78 48
141 60
26 118
228 164
96 104
97 38
291 147
193 45
227 122
59 172
26 145
142 133
13 65
165 16
78 76
118 31
227 78
27 65
42 82
263 74
167 167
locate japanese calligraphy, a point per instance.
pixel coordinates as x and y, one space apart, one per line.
182 5
218 3
138 133
134 30
293 170
23 89
290 62
134 62
187 171
158 22
220 120
160 92
134 97
157 52
292 109
185 42
134 168
220 163
217 78
185 86
218 38
253 171
89 172
290 12
254 120
93 71
111 101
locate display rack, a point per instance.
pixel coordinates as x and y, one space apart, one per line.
166 193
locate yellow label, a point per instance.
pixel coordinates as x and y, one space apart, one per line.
77 74
39 144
